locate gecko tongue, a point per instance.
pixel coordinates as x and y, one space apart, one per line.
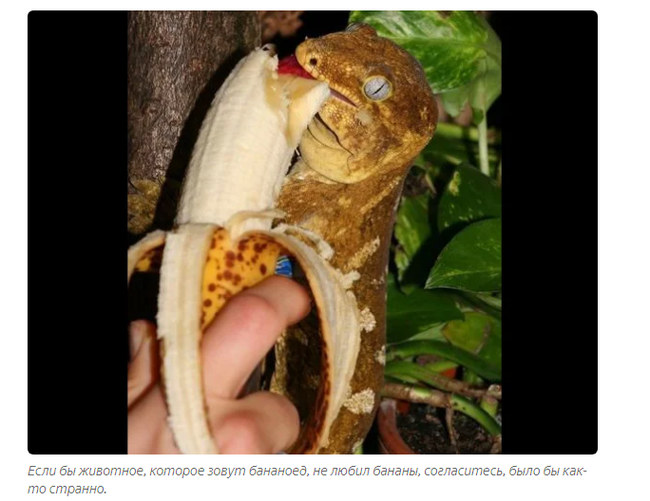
289 66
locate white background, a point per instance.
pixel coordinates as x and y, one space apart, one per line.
620 468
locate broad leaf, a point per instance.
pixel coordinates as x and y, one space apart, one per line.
443 149
480 93
471 261
490 301
413 232
412 227
479 334
470 196
459 51
434 333
417 312
484 302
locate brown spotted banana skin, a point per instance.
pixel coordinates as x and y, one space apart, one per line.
351 203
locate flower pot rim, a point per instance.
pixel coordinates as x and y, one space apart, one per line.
390 439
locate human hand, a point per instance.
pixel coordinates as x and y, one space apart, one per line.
232 347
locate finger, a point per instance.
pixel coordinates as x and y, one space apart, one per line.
144 365
148 429
261 423
245 330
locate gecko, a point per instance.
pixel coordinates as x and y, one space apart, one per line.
354 157
367 117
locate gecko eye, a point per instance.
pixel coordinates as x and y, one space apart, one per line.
377 88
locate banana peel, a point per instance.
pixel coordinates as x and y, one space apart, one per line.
224 241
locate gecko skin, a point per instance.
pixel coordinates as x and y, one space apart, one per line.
355 155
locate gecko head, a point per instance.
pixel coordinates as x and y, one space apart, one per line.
381 112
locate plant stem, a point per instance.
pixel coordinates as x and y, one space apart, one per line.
468 408
417 395
440 399
499 173
453 131
471 377
490 405
426 376
483 146
449 421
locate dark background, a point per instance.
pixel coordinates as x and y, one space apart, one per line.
77 349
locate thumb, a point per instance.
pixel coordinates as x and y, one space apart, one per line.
245 330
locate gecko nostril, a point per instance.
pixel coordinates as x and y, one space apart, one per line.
313 61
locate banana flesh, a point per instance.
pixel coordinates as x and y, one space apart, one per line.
225 241
245 146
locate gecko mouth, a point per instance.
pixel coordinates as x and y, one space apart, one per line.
290 65
340 96
324 134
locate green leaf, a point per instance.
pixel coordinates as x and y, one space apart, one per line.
471 261
490 301
470 196
408 315
451 46
472 378
486 303
477 333
454 145
413 232
445 350
484 89
412 227
454 101
434 333
455 131
459 51
402 262
480 93
467 407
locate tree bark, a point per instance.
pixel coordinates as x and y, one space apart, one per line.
176 63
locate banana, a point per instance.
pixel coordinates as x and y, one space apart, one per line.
224 241
247 141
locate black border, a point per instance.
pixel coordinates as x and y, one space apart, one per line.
550 232
77 346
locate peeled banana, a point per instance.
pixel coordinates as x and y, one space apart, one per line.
225 241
